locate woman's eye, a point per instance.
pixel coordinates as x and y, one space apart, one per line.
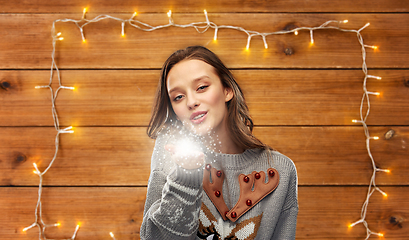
177 98
202 87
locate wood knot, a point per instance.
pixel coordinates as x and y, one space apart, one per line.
290 26
396 222
389 134
288 51
406 82
5 85
19 158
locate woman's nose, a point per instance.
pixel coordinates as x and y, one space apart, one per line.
192 102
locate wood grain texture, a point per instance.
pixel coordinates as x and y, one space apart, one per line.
107 156
30 47
275 97
104 209
301 97
37 6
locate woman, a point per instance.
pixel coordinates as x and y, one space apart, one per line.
232 186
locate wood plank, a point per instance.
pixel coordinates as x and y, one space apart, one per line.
325 212
24 47
37 6
275 97
105 156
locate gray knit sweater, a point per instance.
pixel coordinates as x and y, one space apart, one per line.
177 207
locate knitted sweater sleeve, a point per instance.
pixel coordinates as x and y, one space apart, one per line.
287 222
173 199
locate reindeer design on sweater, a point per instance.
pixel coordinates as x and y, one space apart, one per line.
253 189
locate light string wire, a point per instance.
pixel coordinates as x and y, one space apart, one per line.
201 27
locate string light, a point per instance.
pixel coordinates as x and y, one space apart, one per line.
364 115
123 29
200 27
112 235
376 77
373 93
84 12
373 47
312 38
383 170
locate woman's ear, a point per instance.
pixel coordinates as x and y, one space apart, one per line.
228 93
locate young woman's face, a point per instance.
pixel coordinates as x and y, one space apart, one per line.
198 97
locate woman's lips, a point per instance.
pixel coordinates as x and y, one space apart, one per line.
198 117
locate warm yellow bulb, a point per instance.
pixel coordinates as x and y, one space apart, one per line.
384 194
60 38
123 34
205 12
170 13
345 21
380 234
84 40
376 138
85 10
78 224
350 225
111 234
37 87
387 170
312 41
296 32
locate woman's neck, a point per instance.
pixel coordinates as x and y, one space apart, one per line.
224 144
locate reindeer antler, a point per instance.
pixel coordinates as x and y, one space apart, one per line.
249 195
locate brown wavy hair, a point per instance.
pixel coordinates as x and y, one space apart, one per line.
239 121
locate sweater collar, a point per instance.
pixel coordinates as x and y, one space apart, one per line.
235 161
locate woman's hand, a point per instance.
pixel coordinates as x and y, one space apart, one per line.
186 158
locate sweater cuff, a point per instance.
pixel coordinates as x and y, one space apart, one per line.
189 178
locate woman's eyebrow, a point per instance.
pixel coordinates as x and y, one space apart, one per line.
194 81
200 78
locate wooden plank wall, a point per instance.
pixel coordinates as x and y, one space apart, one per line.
302 99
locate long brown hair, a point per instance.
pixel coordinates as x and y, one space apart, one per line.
239 121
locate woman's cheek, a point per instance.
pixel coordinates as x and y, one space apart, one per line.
179 113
